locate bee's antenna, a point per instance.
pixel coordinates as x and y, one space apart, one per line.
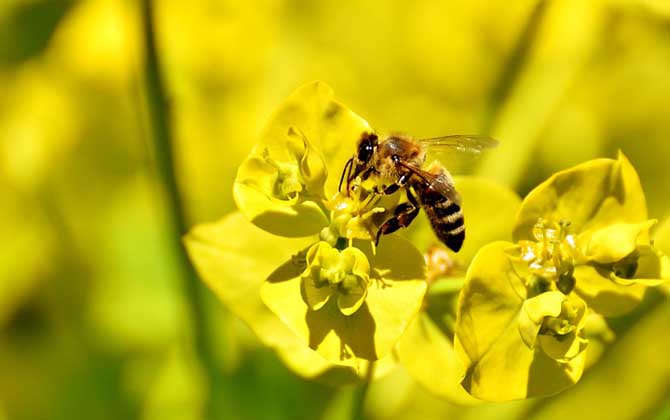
349 165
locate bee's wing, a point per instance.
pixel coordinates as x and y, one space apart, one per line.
457 152
441 183
462 143
445 186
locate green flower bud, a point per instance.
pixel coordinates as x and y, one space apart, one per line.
330 272
553 314
566 282
566 321
349 303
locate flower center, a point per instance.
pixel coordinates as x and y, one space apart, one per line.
289 183
337 272
331 272
551 257
357 215
563 324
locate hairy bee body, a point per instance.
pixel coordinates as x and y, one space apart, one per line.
403 147
396 162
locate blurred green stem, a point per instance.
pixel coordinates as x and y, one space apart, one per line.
514 65
159 116
358 412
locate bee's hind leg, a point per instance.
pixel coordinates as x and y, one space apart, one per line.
403 215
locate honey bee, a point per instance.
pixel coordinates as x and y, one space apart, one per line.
396 162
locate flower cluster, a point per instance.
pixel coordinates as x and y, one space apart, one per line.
332 291
508 317
582 250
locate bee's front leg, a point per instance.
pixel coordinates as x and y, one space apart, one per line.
362 172
346 172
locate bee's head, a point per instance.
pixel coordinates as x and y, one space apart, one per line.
366 147
361 163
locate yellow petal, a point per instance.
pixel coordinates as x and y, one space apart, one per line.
279 218
604 295
233 258
500 366
424 350
533 313
307 126
352 301
614 242
316 297
591 195
564 348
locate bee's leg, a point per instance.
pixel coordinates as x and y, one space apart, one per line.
346 170
400 182
403 216
364 174
411 197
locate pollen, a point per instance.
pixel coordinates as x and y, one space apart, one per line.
355 216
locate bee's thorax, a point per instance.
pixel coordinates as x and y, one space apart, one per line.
391 151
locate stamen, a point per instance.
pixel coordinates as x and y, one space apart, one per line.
553 254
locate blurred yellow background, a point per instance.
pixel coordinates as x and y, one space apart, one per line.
94 310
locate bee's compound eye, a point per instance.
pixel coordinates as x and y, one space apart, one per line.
365 149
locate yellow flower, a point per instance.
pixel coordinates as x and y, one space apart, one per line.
310 275
582 249
345 274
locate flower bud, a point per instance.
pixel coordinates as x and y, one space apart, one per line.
331 272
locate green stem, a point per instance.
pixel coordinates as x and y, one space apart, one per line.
159 116
446 285
513 66
361 393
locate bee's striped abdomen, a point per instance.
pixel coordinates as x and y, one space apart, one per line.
445 216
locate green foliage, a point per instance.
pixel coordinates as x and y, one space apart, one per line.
26 32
